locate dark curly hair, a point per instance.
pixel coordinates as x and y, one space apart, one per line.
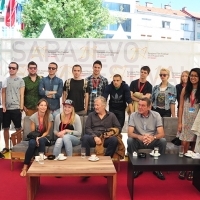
189 86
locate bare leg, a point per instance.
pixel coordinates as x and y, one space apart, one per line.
186 145
6 137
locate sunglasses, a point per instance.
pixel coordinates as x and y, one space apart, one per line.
164 75
13 68
51 68
32 68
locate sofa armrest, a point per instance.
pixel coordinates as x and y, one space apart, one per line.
16 137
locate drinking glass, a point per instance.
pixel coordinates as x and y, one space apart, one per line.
83 152
156 152
181 150
41 157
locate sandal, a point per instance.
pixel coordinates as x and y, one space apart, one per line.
23 172
182 175
190 176
5 150
2 156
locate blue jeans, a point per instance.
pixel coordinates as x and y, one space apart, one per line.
109 143
68 141
55 112
120 116
33 146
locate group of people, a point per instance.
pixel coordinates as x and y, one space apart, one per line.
39 97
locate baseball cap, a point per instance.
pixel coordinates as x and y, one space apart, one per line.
68 102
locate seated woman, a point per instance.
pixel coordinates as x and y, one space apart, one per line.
68 129
41 121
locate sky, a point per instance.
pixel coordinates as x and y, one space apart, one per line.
192 5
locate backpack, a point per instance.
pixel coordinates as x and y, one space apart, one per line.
68 85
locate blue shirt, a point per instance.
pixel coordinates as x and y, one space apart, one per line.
51 84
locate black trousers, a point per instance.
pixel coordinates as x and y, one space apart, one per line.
110 144
163 112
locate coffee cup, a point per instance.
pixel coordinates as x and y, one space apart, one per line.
61 155
37 158
93 156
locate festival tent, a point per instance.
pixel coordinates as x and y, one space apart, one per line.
46 33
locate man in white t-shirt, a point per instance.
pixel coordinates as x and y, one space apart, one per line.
12 102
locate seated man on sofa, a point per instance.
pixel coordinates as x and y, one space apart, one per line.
97 122
145 131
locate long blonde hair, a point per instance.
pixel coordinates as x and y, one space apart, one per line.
72 117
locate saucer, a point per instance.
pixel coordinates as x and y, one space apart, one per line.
63 158
152 154
93 160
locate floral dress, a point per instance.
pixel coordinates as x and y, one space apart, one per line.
187 121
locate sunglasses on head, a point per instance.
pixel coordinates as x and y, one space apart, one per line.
163 75
33 68
51 68
13 68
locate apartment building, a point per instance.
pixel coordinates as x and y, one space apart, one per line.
149 22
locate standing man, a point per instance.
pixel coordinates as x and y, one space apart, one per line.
13 102
140 88
51 88
31 93
96 83
76 89
2 82
145 131
119 95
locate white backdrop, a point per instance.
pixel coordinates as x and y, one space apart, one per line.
125 57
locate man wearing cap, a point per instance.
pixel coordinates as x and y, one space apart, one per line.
51 88
97 122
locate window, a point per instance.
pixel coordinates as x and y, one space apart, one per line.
146 19
109 35
126 25
165 24
185 27
117 6
181 38
198 25
198 35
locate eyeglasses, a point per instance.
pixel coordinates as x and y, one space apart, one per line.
52 68
32 68
13 68
193 76
164 75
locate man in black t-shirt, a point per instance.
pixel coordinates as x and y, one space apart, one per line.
76 89
140 88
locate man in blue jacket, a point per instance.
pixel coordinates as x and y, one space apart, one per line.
119 98
51 88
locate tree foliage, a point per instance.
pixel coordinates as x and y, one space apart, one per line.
67 18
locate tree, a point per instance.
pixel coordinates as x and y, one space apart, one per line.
67 18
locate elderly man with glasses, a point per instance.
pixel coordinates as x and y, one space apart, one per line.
51 88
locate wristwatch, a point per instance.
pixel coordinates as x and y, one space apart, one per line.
155 137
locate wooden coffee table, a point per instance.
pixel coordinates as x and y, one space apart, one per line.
72 166
167 162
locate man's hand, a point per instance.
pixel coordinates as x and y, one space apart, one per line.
97 140
148 139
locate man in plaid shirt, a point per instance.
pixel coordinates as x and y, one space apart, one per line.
96 84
